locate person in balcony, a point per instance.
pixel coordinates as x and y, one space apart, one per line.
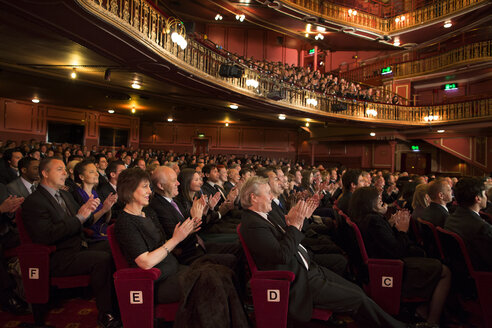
388 239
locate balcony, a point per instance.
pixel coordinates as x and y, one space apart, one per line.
141 21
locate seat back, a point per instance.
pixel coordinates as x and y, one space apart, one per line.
360 241
119 259
23 235
430 239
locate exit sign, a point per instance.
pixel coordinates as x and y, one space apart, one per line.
311 51
451 86
415 148
386 70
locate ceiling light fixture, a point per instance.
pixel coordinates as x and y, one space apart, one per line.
352 12
372 112
396 43
431 118
372 134
133 110
397 19
281 117
308 28
74 74
233 106
320 29
441 131
227 124
111 111
136 85
307 124
319 36
170 119
240 18
252 83
218 17
448 24
35 100
306 35
402 18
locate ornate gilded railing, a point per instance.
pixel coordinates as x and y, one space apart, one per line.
427 14
143 22
478 51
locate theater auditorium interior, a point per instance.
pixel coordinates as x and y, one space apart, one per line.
251 136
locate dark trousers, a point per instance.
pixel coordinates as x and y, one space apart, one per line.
333 292
7 283
97 262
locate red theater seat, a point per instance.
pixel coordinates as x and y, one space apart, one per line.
135 291
270 291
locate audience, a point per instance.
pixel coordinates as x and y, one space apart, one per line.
288 221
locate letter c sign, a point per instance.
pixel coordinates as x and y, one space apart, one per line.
273 295
387 282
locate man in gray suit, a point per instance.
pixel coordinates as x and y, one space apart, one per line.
24 185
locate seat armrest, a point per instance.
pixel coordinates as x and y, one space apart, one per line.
137 273
275 275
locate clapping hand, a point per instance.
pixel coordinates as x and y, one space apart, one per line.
109 202
296 215
401 220
213 201
197 208
11 204
183 229
89 206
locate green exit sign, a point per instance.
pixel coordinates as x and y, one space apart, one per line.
451 86
201 135
415 148
386 70
311 51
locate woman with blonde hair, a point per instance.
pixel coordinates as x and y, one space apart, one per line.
420 200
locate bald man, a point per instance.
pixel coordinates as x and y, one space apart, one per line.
440 193
165 182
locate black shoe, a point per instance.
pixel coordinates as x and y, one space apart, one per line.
107 320
16 306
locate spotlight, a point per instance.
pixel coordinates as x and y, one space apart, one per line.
233 106
111 111
372 134
35 100
227 124
448 24
307 124
136 85
74 74
170 119
281 117
440 131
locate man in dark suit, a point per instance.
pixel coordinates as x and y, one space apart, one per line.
24 185
165 183
232 179
52 217
102 165
440 193
275 248
9 169
211 185
466 222
109 187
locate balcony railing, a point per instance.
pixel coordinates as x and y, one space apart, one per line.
479 51
374 22
142 21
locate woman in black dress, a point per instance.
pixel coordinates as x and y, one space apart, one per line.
388 239
142 239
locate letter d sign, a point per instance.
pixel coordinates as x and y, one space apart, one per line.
387 282
273 295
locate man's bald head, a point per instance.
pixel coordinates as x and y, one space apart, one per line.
165 181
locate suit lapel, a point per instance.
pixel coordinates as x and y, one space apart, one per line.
170 208
50 198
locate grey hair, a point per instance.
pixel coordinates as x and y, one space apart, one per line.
251 186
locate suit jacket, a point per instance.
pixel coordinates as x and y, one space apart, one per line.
435 214
7 174
187 250
6 219
227 187
208 190
18 188
343 202
476 233
273 249
47 223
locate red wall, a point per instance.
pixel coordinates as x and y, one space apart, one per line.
260 44
265 141
21 120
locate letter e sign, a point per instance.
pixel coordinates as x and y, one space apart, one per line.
136 297
273 295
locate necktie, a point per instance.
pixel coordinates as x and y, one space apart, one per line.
33 188
217 187
60 201
173 203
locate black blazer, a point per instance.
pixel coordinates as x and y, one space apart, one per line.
344 201
47 223
227 187
435 214
208 190
477 235
187 250
272 249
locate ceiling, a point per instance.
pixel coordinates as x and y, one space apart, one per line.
38 53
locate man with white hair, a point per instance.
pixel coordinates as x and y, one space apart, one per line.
275 248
